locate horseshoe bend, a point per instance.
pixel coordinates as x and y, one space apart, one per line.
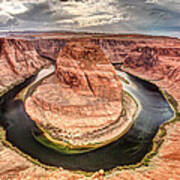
78 96
82 102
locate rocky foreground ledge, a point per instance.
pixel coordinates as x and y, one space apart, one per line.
165 165
155 59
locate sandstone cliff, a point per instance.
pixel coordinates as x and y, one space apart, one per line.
18 61
156 60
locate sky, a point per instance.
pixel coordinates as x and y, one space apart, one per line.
155 17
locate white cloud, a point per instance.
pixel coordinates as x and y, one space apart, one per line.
92 12
12 7
152 1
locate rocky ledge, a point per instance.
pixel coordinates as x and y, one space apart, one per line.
156 59
18 61
81 104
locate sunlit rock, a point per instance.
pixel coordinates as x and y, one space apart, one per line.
82 104
18 61
153 59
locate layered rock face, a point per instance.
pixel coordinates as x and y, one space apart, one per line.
49 48
156 60
82 102
18 61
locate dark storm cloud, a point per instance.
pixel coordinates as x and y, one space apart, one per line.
159 17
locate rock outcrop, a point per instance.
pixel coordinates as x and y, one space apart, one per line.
18 61
81 103
49 48
155 60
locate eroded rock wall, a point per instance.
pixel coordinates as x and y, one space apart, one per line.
49 48
82 98
18 61
155 60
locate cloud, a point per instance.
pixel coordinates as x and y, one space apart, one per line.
12 8
109 16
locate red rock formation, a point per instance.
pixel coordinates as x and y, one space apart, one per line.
156 60
164 166
82 99
49 48
18 61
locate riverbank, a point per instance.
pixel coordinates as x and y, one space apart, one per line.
163 165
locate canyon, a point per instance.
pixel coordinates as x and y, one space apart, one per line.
155 59
82 103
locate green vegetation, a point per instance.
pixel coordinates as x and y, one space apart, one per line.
7 144
65 147
60 146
